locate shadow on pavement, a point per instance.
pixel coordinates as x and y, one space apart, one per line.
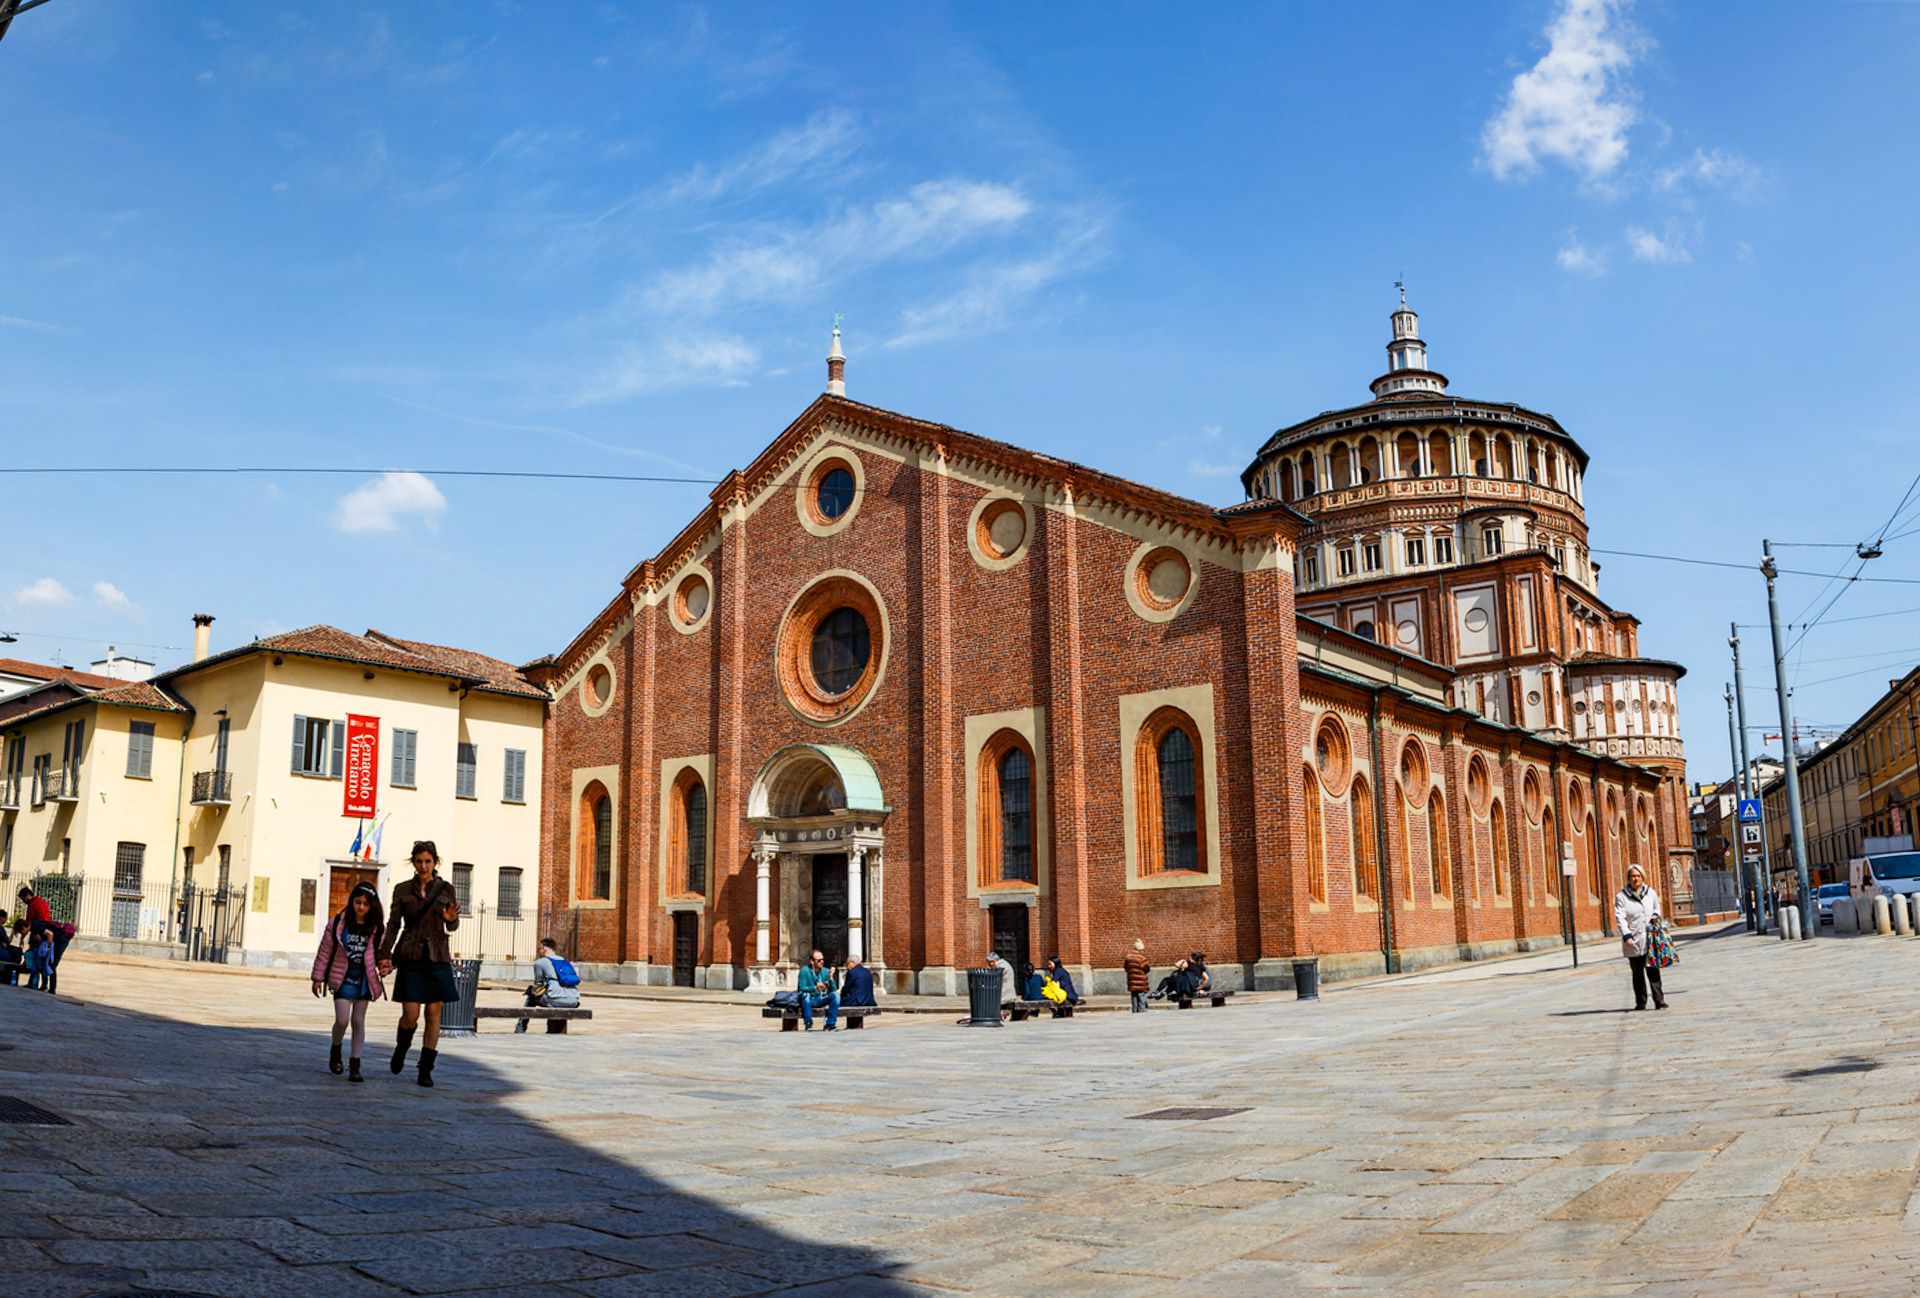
223 1160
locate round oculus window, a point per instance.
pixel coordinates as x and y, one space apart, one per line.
599 686
1363 629
831 650
1162 578
840 651
1533 698
1330 756
833 494
1002 529
692 600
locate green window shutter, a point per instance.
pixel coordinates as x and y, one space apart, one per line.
339 729
396 763
413 755
299 744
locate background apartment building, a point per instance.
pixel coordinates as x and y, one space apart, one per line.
212 812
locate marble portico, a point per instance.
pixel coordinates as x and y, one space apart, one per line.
818 816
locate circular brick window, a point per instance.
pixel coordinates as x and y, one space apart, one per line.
1479 786
1002 529
1332 757
832 649
597 691
1532 801
1162 578
830 492
1414 779
691 600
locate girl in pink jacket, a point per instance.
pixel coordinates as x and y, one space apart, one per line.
347 964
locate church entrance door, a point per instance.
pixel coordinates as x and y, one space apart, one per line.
830 907
1010 938
686 946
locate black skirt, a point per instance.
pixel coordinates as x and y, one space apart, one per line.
424 982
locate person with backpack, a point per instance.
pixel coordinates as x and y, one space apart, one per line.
423 912
347 964
555 983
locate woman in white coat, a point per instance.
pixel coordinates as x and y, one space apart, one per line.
1635 907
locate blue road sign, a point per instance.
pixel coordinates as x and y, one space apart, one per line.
1749 810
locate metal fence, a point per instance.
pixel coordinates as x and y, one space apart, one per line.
491 933
208 921
1715 892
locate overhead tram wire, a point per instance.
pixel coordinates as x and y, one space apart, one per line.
1749 567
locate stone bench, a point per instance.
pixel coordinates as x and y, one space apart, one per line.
790 1018
557 1019
1215 999
1020 1011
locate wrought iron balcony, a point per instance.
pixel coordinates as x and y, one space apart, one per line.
212 788
62 784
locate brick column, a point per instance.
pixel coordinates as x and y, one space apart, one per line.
1275 740
730 775
1067 732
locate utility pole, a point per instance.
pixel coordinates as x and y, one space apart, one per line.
1749 894
1747 779
1809 917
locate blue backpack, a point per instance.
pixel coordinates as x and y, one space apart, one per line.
563 973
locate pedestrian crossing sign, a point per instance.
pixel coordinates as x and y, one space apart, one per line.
1749 810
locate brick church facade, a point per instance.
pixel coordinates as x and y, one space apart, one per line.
909 693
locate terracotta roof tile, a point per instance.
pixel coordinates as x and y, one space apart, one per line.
498 675
48 672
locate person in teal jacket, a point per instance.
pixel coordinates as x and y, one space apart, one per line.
817 988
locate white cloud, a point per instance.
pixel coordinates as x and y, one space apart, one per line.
672 363
1719 168
1202 468
1661 249
378 505
994 291
826 138
38 326
1576 258
45 593
111 597
931 218
1570 105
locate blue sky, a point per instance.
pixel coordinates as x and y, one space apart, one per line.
610 238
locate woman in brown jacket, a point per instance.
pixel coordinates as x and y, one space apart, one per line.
424 911
1138 970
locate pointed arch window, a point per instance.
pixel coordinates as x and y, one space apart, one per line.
1360 823
1315 835
688 840
1170 782
1005 829
1437 857
1497 827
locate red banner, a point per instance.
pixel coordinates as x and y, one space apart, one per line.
363 764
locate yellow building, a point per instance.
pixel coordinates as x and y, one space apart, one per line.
277 755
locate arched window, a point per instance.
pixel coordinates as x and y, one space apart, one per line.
1316 840
1306 474
1370 470
1179 795
1339 467
1440 454
1005 829
1360 821
687 838
1497 826
1287 490
1550 853
593 859
1438 861
1592 837
1170 786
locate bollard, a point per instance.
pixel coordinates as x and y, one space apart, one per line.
1882 917
1843 914
1791 929
1902 924
1780 924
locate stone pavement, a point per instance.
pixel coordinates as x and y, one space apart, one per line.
1501 1129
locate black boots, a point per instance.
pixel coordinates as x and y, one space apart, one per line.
403 1038
353 1070
426 1066
333 1059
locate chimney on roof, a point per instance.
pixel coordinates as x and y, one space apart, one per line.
836 365
202 635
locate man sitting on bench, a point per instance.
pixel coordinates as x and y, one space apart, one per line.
817 989
555 984
857 987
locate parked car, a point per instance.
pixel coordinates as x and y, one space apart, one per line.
1825 896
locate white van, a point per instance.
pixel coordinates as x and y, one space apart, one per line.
1893 874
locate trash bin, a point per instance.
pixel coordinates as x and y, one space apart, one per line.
983 995
1306 980
457 1017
